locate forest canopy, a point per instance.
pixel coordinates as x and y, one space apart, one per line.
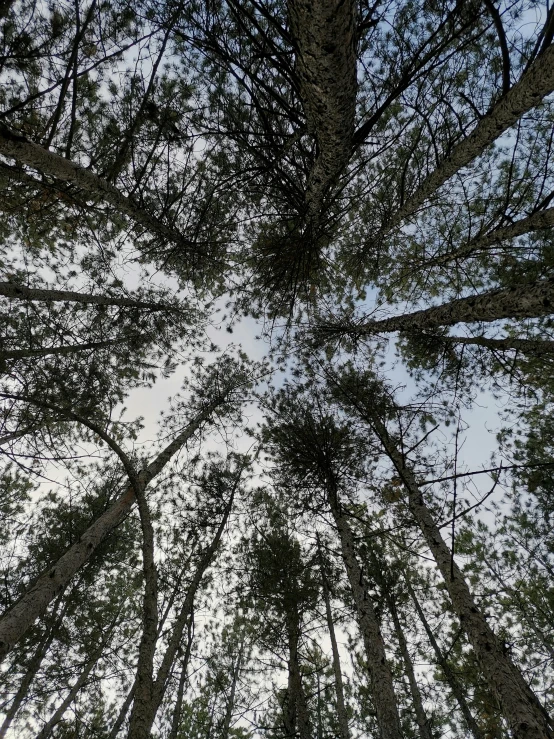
340 526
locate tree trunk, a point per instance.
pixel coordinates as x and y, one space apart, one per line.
527 346
324 34
231 702
533 86
295 713
34 602
20 292
146 704
33 667
123 711
526 717
176 717
48 351
542 219
448 672
91 664
33 155
342 716
382 688
527 301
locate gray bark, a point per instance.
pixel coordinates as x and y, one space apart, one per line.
527 301
15 622
448 672
123 711
15 291
147 702
382 688
324 34
526 717
176 717
535 222
342 716
33 155
535 84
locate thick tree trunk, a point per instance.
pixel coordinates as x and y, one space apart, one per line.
324 34
382 688
342 716
448 672
147 702
527 301
34 602
533 86
33 155
21 292
526 717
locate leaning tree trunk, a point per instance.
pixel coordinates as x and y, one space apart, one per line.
176 717
33 155
15 622
526 301
324 35
382 688
526 717
147 702
342 716
447 670
15 291
527 93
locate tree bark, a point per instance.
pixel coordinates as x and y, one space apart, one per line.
527 93
231 702
295 714
147 702
34 602
382 688
33 155
527 301
324 34
448 672
15 291
526 717
33 667
342 716
176 717
509 343
123 711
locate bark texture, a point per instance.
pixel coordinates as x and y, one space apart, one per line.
22 292
15 622
33 155
527 93
448 672
176 717
526 717
382 688
324 34
527 301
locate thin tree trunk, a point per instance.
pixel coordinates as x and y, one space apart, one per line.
91 664
231 702
123 711
382 688
295 712
542 219
342 716
448 672
526 717
146 704
527 301
422 718
15 291
324 33
176 717
526 94
527 346
48 351
33 155
34 666
34 602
